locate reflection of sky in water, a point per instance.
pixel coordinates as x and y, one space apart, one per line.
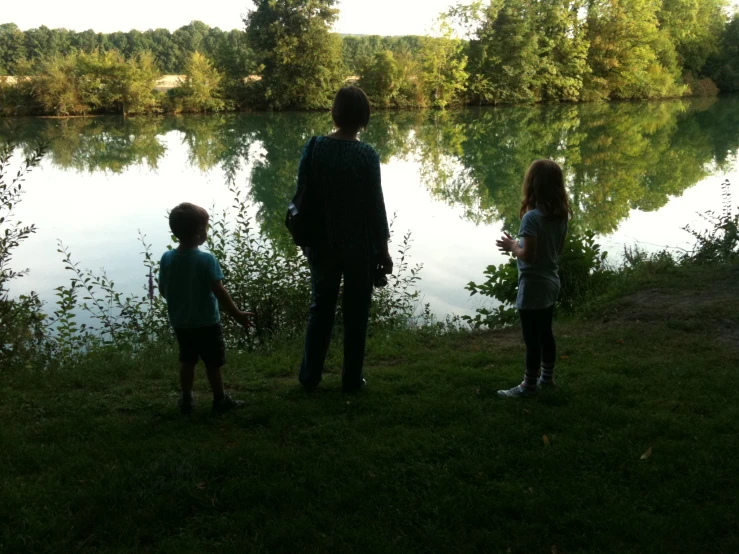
97 216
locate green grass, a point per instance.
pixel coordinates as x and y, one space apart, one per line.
96 458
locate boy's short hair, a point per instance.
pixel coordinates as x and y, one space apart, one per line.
186 220
351 109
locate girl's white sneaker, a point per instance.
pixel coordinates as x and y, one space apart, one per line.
518 391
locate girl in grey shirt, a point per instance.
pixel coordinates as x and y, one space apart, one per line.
545 211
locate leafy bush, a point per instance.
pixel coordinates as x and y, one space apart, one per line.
582 271
201 90
133 322
719 244
396 305
16 97
21 320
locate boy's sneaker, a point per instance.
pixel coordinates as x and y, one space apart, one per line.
546 383
519 391
226 404
187 405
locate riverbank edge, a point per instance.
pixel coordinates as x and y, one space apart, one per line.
688 97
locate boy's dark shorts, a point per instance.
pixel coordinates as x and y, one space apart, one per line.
204 343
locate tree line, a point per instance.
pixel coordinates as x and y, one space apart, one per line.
287 57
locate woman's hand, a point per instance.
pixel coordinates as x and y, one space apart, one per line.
506 243
386 262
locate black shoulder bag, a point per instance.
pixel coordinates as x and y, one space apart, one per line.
304 217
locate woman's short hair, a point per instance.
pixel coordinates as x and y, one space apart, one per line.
351 109
186 220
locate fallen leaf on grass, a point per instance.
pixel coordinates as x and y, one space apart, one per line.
621 341
546 440
647 454
555 550
564 357
201 486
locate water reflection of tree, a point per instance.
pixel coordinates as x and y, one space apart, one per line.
90 144
617 156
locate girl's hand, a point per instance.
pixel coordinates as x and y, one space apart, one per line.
506 242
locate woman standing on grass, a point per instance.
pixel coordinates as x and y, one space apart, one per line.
545 212
346 175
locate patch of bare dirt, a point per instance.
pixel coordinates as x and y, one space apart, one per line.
708 305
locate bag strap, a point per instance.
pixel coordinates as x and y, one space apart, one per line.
310 155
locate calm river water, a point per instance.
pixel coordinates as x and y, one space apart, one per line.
637 173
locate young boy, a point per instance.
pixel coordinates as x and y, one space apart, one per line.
191 282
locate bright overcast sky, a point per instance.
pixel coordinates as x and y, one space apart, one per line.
380 17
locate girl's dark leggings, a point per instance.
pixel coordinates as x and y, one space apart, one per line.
541 349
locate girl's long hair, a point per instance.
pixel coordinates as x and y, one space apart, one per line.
544 188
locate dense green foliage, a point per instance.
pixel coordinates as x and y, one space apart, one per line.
83 83
724 65
80 83
20 50
201 89
516 51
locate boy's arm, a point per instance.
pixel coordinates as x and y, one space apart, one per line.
227 303
162 278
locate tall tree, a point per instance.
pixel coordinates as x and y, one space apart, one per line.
133 84
63 89
300 58
695 27
724 66
443 66
630 56
380 79
504 53
562 47
201 90
12 48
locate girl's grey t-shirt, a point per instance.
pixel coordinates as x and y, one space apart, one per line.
538 283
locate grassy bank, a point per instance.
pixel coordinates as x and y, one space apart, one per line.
640 452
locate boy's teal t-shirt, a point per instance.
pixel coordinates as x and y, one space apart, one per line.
186 279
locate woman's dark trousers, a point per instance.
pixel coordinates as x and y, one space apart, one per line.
327 267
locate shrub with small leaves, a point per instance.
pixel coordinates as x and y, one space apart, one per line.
720 243
21 319
582 271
